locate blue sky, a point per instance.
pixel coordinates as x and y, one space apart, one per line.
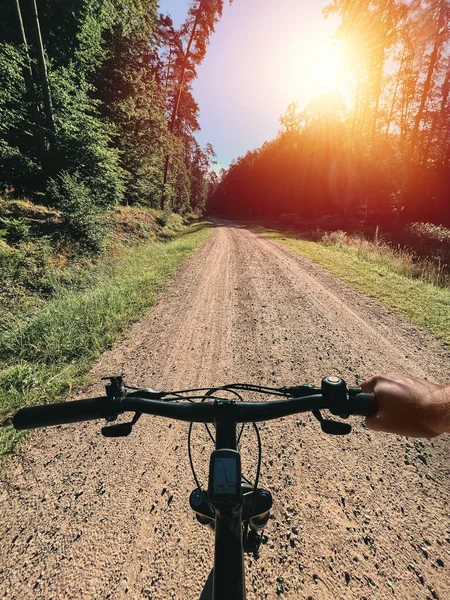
263 55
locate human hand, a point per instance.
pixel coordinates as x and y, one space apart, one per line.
409 406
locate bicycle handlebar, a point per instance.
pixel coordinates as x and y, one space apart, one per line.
61 413
201 412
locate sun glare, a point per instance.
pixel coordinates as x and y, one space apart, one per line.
317 70
325 68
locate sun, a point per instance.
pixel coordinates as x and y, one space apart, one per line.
316 69
324 72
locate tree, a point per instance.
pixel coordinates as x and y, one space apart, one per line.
113 67
194 35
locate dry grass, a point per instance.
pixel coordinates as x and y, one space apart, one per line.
401 260
430 231
382 272
417 250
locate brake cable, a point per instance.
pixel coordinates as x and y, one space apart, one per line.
209 394
255 487
197 483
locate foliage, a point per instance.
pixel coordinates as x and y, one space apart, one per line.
80 220
113 70
17 130
129 89
83 142
384 156
186 50
43 352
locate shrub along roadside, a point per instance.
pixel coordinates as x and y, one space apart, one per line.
42 357
380 277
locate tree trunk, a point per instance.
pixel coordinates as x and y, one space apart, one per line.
427 84
437 117
177 100
377 100
373 134
446 160
394 97
412 80
366 103
357 99
420 112
44 83
168 68
31 92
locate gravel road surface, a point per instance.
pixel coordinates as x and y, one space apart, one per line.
361 516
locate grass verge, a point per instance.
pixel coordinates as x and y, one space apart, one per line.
44 354
380 277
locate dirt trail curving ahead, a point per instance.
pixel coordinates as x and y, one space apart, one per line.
363 516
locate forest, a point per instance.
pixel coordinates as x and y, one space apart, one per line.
97 110
379 153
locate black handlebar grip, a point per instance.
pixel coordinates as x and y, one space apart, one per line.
62 412
363 404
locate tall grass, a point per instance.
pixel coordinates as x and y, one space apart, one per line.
430 231
398 259
384 273
42 356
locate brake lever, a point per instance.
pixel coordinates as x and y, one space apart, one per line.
335 427
116 392
332 427
328 426
298 391
121 429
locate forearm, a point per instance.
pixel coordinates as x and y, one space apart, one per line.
442 422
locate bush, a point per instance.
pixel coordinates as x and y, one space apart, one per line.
28 268
80 220
164 218
336 238
83 144
14 230
18 132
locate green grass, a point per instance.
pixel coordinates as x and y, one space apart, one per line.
44 354
380 276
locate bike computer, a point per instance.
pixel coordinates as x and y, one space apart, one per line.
224 485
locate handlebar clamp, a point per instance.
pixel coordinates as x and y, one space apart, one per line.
115 392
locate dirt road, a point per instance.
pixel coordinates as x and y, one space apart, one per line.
363 516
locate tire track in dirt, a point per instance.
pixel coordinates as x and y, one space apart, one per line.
357 517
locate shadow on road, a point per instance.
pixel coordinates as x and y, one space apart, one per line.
208 589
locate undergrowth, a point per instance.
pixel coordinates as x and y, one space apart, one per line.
399 259
58 314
